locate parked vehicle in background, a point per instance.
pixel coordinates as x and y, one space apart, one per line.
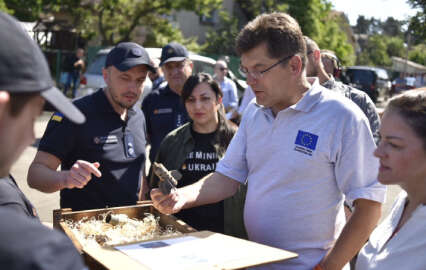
92 79
374 81
401 84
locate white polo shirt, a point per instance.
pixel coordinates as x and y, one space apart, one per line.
299 166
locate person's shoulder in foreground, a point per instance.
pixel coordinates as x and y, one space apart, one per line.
25 76
12 197
18 250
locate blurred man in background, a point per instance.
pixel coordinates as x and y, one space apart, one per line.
315 68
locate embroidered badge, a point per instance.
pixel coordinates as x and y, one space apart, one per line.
163 110
105 139
306 142
57 117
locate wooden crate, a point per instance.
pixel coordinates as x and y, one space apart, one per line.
134 211
214 250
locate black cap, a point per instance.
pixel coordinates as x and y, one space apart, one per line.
24 69
127 55
173 52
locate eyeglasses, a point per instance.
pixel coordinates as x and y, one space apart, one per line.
259 74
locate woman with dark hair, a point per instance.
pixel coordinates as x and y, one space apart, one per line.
194 149
400 242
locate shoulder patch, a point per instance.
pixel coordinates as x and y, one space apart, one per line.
57 117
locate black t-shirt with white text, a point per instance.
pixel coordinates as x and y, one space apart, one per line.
201 161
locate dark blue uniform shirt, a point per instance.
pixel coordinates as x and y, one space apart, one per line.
119 146
164 111
28 244
12 197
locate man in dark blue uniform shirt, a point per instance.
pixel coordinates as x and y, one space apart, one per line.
25 84
163 108
110 145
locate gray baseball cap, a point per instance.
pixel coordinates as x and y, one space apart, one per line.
24 69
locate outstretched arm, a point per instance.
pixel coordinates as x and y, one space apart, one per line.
210 189
43 174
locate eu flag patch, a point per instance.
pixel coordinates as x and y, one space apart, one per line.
306 139
57 117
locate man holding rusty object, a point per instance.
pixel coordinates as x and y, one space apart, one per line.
109 146
302 149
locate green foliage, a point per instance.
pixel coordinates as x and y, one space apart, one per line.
362 25
164 32
375 52
417 24
113 21
311 15
25 10
392 27
418 54
370 26
314 17
334 39
395 46
120 20
4 8
221 40
253 8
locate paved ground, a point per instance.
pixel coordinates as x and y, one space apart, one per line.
45 203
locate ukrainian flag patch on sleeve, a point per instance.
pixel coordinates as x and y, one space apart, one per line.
57 117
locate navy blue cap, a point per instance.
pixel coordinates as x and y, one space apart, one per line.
127 55
173 52
24 69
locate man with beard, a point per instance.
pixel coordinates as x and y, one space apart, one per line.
315 68
110 145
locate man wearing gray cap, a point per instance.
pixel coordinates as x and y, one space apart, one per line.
110 145
25 85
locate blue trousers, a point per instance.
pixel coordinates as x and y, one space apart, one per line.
72 80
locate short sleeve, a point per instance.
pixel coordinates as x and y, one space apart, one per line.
60 137
234 162
356 167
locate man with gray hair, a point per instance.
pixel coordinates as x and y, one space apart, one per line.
315 68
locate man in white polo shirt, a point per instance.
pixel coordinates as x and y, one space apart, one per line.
302 149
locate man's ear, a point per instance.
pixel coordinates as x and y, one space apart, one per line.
317 56
4 100
105 74
295 64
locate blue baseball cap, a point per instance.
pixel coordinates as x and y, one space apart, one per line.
127 55
173 52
